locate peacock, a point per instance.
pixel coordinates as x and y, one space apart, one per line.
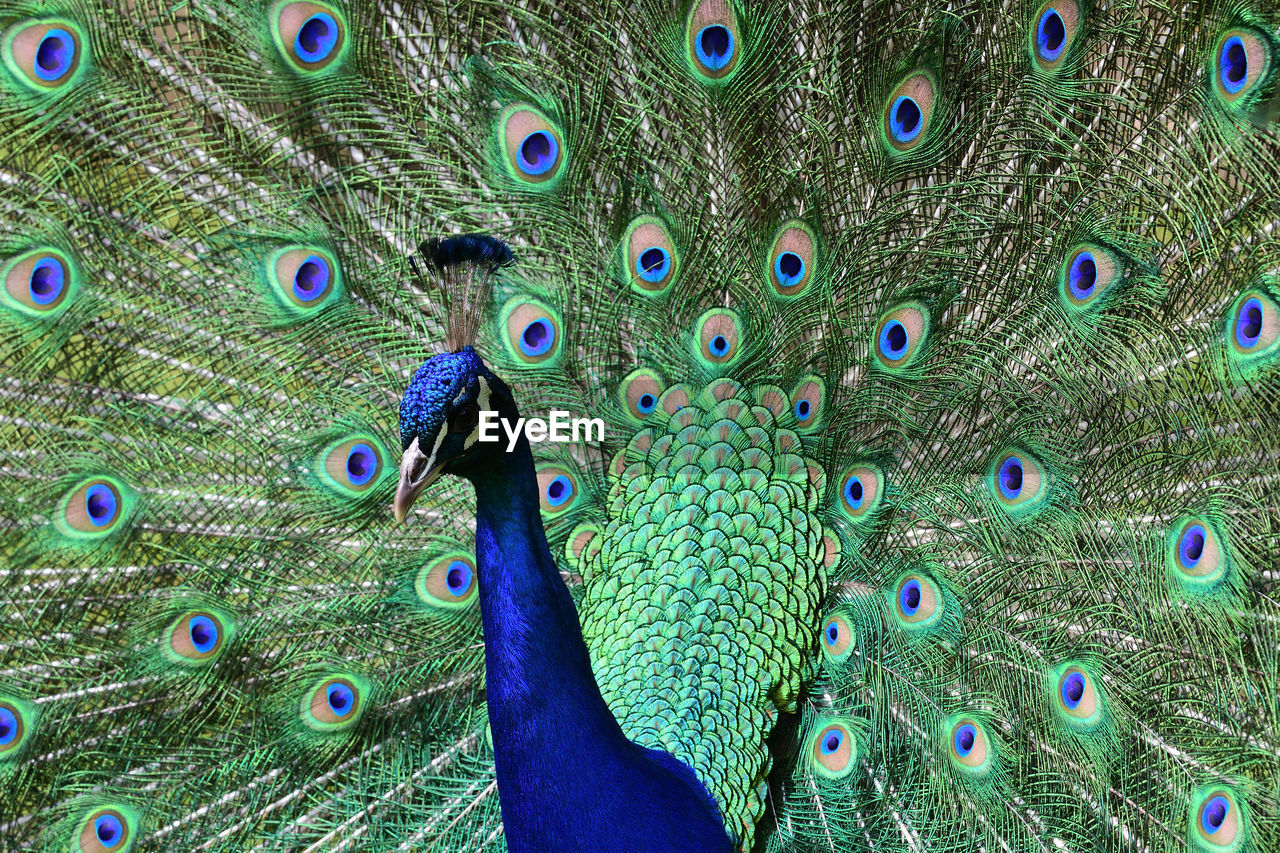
934 350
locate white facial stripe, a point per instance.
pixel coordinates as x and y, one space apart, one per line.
413 453
484 407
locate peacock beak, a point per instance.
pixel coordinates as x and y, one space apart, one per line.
417 471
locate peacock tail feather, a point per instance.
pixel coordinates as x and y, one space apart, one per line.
937 348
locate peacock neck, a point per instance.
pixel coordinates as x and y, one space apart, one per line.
569 779
548 720
531 626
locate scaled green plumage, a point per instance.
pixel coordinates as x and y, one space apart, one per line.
819 322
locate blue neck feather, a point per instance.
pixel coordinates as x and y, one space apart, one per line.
569 780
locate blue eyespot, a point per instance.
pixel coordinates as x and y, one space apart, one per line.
559 490
1191 547
342 699
1214 814
537 338
832 634
1082 275
714 45
1249 323
893 340
47 281
1072 689
653 264
1051 34
311 281
831 741
100 505
362 464
55 55
909 597
1233 65
646 403
8 726
718 346
854 493
316 38
109 830
788 269
965 737
538 153
458 578
905 119
1009 477
204 633
803 410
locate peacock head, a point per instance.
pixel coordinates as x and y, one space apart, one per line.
440 422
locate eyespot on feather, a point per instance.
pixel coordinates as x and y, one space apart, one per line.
39 283
95 508
1017 481
1253 328
837 637
900 336
197 637
713 42
1076 697
533 332
1218 821
640 392
334 703
352 466
312 37
447 581
107 829
792 264
650 260
808 403
532 146
908 113
832 750
861 492
17 722
558 489
969 747
303 279
1241 62
45 56
1088 273
916 601
1194 553
1053 32
719 334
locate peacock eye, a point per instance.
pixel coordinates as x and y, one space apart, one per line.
448 581
335 703
534 147
649 255
1053 30
464 418
43 55
108 829
311 36
1219 819
832 750
1243 61
714 40
38 283
196 636
908 112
